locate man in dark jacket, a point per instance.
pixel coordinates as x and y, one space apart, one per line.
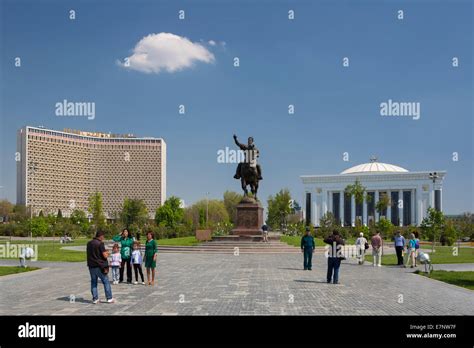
98 267
307 247
335 256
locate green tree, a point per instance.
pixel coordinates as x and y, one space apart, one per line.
327 224
6 209
217 213
60 214
358 191
231 200
278 209
19 213
134 214
383 204
170 214
95 208
449 234
79 218
432 225
385 227
39 226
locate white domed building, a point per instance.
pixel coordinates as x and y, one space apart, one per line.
410 193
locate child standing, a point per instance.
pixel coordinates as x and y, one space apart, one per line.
137 262
115 262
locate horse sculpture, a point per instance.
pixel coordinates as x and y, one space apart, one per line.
249 177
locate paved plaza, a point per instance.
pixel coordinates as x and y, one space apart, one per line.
224 284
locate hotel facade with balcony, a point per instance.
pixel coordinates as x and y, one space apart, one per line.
410 194
61 169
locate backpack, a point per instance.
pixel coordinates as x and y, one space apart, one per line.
417 244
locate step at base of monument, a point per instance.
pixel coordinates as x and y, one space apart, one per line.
242 238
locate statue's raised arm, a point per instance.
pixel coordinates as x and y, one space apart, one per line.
241 146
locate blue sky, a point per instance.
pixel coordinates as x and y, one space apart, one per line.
282 62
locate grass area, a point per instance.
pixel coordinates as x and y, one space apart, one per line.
442 254
51 251
6 270
464 279
181 241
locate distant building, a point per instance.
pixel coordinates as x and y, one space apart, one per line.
60 170
410 193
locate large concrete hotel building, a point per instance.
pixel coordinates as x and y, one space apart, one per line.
60 170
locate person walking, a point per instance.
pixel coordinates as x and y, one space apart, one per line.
361 244
335 256
417 246
411 250
399 243
265 233
126 243
376 242
307 247
151 252
98 267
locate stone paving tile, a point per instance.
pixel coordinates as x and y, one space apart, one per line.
252 284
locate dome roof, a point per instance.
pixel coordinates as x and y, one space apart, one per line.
375 168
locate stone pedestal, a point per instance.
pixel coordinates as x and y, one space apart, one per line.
249 219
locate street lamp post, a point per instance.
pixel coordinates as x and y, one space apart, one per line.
433 177
207 209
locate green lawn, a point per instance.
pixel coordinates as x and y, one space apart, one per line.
464 279
441 255
6 270
51 251
181 241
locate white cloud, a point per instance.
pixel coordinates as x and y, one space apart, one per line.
166 52
211 42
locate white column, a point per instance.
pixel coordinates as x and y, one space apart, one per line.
341 207
413 207
330 209
419 205
324 203
389 208
364 211
376 198
353 210
400 207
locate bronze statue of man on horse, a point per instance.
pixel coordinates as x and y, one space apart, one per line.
249 171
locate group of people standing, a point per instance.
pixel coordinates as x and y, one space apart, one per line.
125 253
336 255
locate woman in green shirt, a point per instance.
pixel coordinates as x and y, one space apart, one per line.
151 251
126 243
